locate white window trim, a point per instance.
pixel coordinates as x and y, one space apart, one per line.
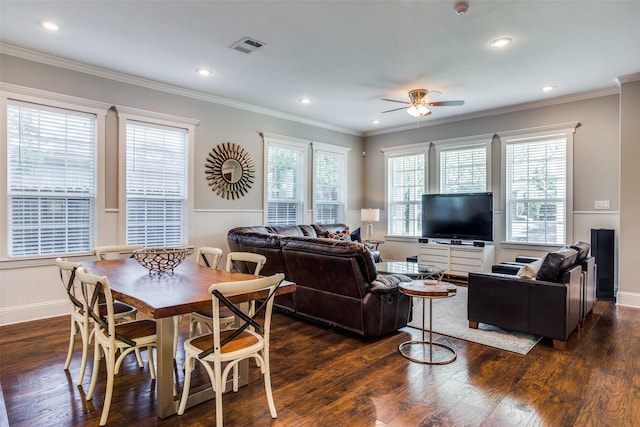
452 144
37 96
400 151
127 113
333 149
296 143
566 130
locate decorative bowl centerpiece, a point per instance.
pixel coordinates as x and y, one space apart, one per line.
160 260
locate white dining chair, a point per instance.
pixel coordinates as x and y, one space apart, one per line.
205 317
113 339
249 340
78 312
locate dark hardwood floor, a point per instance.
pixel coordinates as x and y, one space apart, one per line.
324 378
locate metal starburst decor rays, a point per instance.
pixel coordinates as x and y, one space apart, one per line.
230 170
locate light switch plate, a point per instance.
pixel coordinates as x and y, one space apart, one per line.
602 204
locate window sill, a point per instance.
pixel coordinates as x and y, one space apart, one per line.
404 239
537 246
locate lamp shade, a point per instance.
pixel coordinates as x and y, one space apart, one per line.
370 215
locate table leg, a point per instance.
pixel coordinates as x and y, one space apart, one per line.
424 343
166 404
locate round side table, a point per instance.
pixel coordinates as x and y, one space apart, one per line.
418 289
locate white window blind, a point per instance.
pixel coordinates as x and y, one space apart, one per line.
463 170
329 183
536 191
406 184
156 184
51 180
285 184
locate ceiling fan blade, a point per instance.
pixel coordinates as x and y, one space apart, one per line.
445 103
393 100
395 109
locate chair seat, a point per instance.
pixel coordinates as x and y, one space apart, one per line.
244 341
145 328
118 308
224 312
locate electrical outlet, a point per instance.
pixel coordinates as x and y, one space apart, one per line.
602 204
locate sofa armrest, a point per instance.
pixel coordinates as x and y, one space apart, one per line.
526 259
510 268
498 299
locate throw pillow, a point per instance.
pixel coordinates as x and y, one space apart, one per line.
529 271
338 235
355 235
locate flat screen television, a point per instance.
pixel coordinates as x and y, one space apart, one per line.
466 216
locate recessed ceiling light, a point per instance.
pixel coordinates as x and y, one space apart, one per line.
501 42
375 121
304 100
548 88
51 26
204 71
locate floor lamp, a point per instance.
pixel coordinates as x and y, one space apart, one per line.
370 215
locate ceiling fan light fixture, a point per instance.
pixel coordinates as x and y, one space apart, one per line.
419 110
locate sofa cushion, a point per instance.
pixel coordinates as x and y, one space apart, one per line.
530 270
555 263
583 249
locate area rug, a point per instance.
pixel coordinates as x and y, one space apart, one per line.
450 318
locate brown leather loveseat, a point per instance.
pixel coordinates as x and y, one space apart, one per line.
336 281
551 302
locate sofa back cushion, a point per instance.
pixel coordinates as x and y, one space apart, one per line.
288 230
555 263
583 249
334 266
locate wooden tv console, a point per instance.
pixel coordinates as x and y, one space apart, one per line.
456 260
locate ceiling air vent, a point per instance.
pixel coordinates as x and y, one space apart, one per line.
247 45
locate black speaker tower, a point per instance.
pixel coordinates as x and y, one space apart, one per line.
602 248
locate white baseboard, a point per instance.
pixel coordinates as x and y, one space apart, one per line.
27 313
628 299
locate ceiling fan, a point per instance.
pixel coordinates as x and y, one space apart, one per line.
419 103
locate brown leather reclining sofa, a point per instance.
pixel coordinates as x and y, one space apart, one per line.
551 304
336 281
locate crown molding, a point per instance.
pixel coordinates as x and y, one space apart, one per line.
628 78
55 61
504 110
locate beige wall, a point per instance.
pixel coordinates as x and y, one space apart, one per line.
596 167
31 289
629 291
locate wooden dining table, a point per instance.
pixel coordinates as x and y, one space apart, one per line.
163 296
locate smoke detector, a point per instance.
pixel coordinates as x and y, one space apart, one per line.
247 45
461 7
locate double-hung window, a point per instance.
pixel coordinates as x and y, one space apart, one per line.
156 179
51 174
463 165
329 183
406 169
538 185
285 186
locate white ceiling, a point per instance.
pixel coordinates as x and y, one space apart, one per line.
345 55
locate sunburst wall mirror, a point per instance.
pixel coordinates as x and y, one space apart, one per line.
230 171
